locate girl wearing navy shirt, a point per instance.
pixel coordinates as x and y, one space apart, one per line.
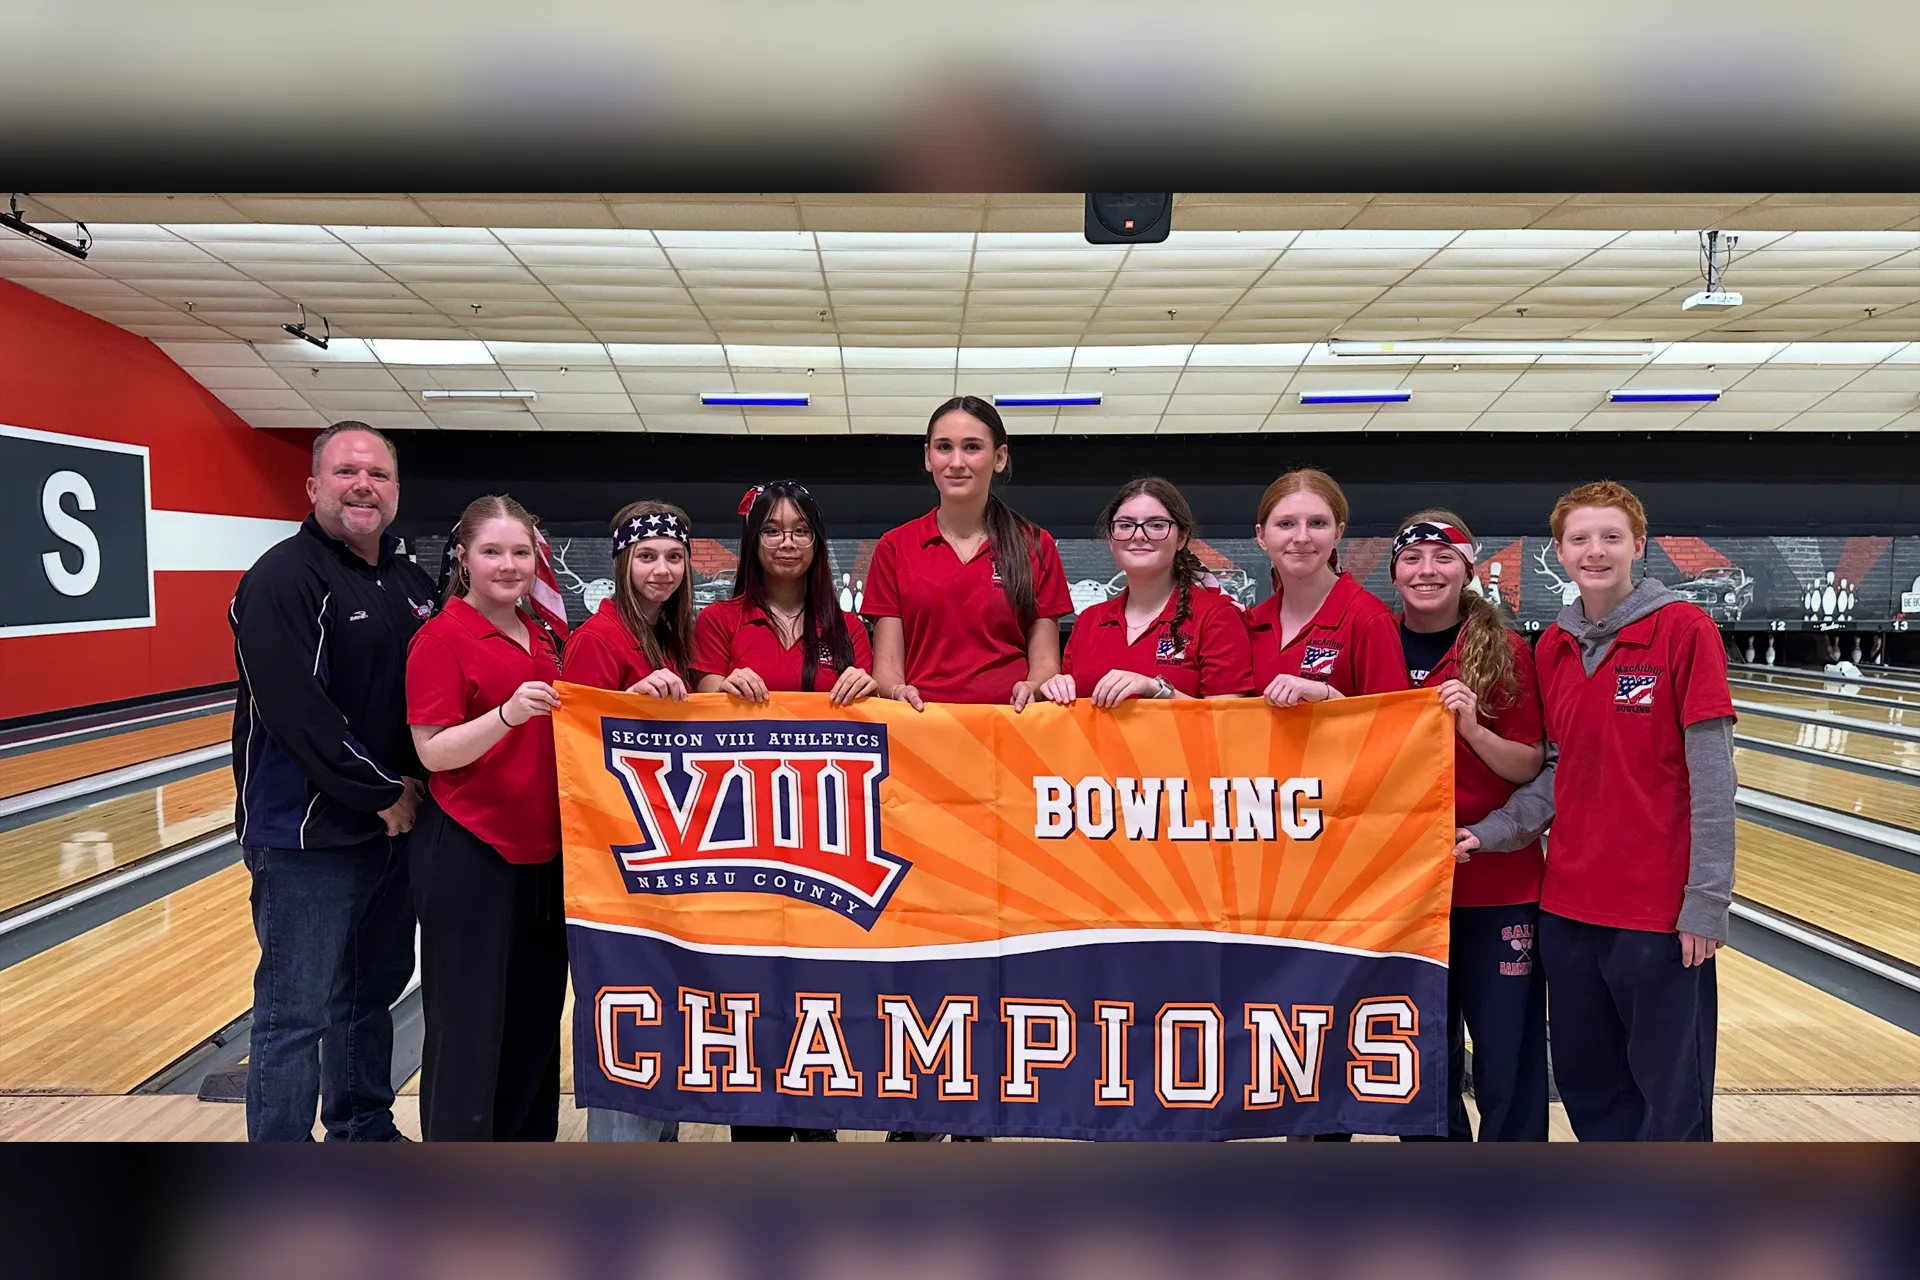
1457 642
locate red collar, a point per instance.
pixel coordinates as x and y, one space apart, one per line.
1119 603
476 622
926 531
1333 610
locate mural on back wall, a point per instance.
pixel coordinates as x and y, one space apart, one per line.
1826 581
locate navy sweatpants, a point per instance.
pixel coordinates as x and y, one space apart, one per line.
1634 1032
1496 988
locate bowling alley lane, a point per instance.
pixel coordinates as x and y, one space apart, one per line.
1848 707
57 853
104 1011
32 770
1890 801
1780 1035
1847 895
1795 682
1856 744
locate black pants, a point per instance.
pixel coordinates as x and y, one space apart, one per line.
1634 1032
493 980
781 1133
1496 988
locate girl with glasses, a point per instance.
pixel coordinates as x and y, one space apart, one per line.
1166 635
782 630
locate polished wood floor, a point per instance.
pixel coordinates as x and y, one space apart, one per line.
45 768
103 1012
1885 800
1843 893
1830 684
58 853
1856 744
1838 706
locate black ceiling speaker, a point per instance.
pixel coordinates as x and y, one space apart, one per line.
1129 217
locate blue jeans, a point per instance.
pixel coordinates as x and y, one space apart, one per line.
336 949
607 1125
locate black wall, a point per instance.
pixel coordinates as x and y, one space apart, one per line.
1695 483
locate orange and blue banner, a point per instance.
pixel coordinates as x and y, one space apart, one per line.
1175 920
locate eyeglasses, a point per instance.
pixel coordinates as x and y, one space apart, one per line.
802 536
1158 529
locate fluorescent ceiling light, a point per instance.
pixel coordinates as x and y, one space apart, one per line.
1392 395
755 399
430 351
1543 350
1056 400
1663 395
440 393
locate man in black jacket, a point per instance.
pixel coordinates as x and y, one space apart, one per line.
326 785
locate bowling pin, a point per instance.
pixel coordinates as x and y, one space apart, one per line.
1807 602
859 594
1770 653
1493 584
1846 600
1829 598
846 592
1749 650
1856 651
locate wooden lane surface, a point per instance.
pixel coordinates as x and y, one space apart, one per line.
1843 893
37 769
1830 684
1777 1034
106 1010
46 857
1837 706
1872 747
1881 799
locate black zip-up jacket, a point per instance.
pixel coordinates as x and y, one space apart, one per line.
320 738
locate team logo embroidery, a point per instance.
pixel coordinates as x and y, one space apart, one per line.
826 654
787 807
1164 651
996 573
421 611
1634 691
359 615
1520 938
1318 660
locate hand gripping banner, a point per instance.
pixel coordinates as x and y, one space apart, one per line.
1177 920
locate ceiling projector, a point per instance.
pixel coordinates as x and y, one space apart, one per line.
1711 298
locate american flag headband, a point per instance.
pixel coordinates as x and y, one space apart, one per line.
1433 531
656 524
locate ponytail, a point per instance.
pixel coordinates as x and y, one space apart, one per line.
1486 657
1012 539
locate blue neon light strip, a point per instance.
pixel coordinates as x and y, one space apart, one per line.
1072 400
755 399
1355 397
1663 397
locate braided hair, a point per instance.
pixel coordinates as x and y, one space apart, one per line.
1188 572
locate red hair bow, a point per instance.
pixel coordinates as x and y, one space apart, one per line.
753 494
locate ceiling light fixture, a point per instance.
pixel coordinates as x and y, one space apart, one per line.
1393 395
1068 400
12 221
1448 349
755 399
440 393
1663 395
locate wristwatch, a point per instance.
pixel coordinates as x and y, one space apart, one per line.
1166 690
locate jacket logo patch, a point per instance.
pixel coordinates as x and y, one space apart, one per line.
1634 692
1318 659
358 615
421 611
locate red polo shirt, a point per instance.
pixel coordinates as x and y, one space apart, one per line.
602 652
1352 643
734 633
963 642
1493 879
1623 811
1214 661
460 666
